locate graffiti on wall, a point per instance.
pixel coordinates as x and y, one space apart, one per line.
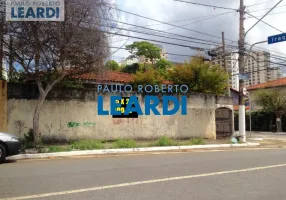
128 120
77 124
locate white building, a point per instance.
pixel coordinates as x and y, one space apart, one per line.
257 66
276 73
128 62
231 65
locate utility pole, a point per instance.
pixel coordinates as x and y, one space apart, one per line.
241 73
225 67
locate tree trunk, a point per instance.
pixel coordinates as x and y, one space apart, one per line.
42 97
36 119
278 122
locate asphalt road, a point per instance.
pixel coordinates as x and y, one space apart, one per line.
236 175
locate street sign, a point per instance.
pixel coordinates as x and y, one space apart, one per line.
277 38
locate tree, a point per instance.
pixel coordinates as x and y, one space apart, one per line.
273 101
112 65
163 64
148 50
150 77
131 69
200 77
48 52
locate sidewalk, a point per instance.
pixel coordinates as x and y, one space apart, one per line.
129 151
268 139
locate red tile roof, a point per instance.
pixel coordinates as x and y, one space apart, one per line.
111 76
106 76
276 83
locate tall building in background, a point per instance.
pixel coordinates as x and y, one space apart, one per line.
258 66
276 73
231 64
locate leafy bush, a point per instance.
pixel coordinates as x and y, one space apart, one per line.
87 145
164 141
131 69
124 144
29 139
196 141
200 77
149 77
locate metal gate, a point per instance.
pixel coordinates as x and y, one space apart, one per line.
223 118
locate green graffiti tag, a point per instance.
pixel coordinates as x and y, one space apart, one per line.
77 124
89 124
73 124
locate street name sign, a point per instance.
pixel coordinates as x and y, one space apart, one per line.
277 38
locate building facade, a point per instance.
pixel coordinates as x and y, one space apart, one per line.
231 65
257 67
276 73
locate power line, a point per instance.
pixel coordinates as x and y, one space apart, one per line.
169 24
206 16
174 54
150 34
265 22
268 15
200 20
181 45
252 11
258 3
207 5
169 33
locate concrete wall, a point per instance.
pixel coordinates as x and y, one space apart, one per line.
77 118
3 106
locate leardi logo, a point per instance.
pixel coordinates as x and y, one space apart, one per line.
129 107
34 10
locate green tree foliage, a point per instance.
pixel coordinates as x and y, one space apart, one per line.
163 64
143 48
149 77
200 77
131 69
112 65
70 83
273 101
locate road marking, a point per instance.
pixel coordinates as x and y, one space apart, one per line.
37 196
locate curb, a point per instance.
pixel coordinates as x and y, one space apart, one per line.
124 151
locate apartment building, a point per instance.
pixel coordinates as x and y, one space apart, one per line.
163 54
276 73
231 65
260 70
257 67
